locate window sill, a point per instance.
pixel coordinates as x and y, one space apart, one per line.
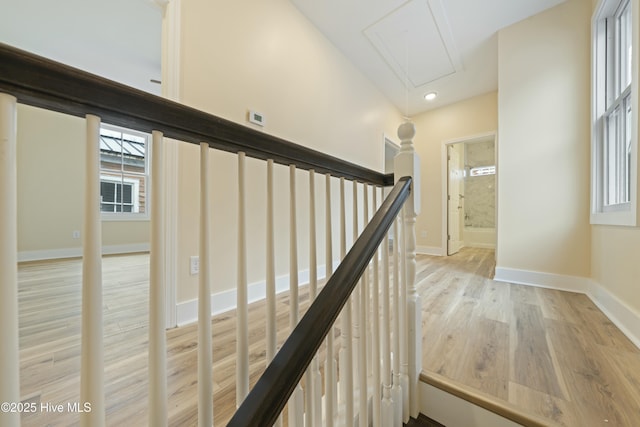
625 218
124 217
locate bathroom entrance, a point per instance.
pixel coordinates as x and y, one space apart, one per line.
471 193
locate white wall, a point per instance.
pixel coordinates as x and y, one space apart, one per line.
543 149
266 56
118 39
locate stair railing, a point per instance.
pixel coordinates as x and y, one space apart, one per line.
33 80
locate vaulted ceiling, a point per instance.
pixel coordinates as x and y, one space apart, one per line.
407 48
410 48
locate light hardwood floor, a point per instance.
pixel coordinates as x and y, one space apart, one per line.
544 352
49 317
548 353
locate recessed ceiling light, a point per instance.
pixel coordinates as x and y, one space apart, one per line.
431 96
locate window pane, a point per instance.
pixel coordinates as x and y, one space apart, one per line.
106 207
123 166
611 158
107 191
625 42
625 153
127 193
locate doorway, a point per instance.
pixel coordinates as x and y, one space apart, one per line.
470 196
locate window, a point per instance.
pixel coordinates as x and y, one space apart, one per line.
614 121
482 170
124 173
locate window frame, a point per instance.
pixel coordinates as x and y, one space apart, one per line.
107 175
607 96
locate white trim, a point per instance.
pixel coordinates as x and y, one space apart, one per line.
430 250
480 245
387 141
622 315
171 49
542 280
451 410
221 302
47 254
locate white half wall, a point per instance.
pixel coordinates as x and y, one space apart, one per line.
187 311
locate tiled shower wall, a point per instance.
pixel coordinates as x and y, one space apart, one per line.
480 191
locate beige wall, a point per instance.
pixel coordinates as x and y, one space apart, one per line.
50 186
615 266
543 149
266 56
469 118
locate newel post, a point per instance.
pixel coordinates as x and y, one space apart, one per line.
407 163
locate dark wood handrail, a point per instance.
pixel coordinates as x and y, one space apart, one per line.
272 391
44 83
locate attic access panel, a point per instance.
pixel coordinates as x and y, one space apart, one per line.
416 42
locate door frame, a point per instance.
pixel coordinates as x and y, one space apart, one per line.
455 237
444 166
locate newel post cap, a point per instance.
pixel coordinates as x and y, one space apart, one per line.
406 131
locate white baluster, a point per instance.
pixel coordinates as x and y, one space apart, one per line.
375 325
346 349
205 373
396 391
407 163
414 312
9 356
92 360
387 407
271 327
404 365
271 272
316 377
356 301
242 331
363 417
296 402
329 367
158 415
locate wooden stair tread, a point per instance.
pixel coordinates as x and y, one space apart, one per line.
423 421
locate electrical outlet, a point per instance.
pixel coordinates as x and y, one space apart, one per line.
75 234
194 265
423 233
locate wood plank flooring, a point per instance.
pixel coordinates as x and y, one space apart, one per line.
549 353
49 316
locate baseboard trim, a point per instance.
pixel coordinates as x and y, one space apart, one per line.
47 254
480 245
624 317
430 250
542 280
221 302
